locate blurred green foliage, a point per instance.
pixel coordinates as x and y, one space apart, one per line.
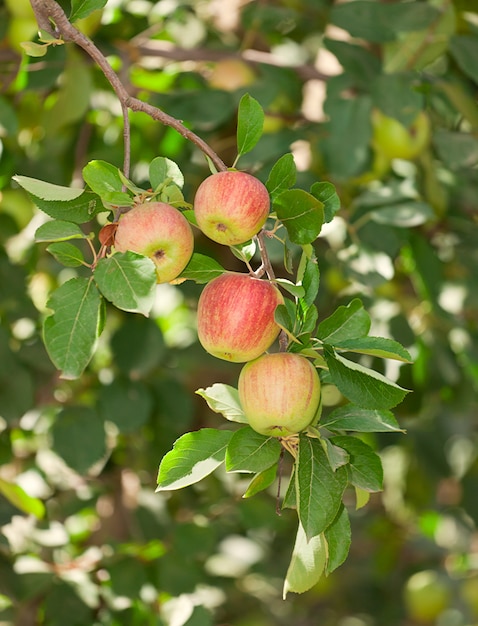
106 549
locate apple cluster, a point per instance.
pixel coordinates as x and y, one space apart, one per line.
279 392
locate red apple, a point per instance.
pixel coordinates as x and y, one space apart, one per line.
231 207
279 393
235 317
160 232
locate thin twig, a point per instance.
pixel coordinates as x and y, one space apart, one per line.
49 10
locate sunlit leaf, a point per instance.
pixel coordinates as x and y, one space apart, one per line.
261 481
282 176
201 269
376 346
250 120
47 191
20 499
59 230
355 418
193 457
307 563
224 399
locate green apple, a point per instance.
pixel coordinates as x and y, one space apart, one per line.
426 596
279 393
231 74
235 316
469 593
231 207
396 141
159 231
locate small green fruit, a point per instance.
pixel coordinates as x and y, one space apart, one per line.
426 596
395 141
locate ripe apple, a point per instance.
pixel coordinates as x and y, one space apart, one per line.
231 74
426 596
279 393
235 316
158 231
231 207
395 141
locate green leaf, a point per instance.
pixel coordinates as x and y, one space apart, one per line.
83 8
301 214
249 451
250 120
404 215
193 457
162 169
337 456
375 346
361 385
395 96
261 481
70 333
464 49
338 537
244 251
379 23
21 500
126 403
201 269
102 177
295 290
224 399
79 210
34 49
307 563
355 418
326 193
365 466
47 191
284 319
59 230
319 488
346 322
283 175
79 438
67 254
309 276
128 280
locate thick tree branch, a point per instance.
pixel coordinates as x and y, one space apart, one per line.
48 11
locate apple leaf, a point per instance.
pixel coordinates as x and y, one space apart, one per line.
79 210
355 418
301 214
47 191
193 457
308 275
307 563
319 489
338 537
283 175
162 169
21 500
128 280
326 193
404 215
295 290
250 121
34 49
79 437
346 322
464 49
361 385
249 451
102 177
337 456
261 481
244 251
66 253
58 230
364 467
376 346
201 269
224 399
70 332
83 8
